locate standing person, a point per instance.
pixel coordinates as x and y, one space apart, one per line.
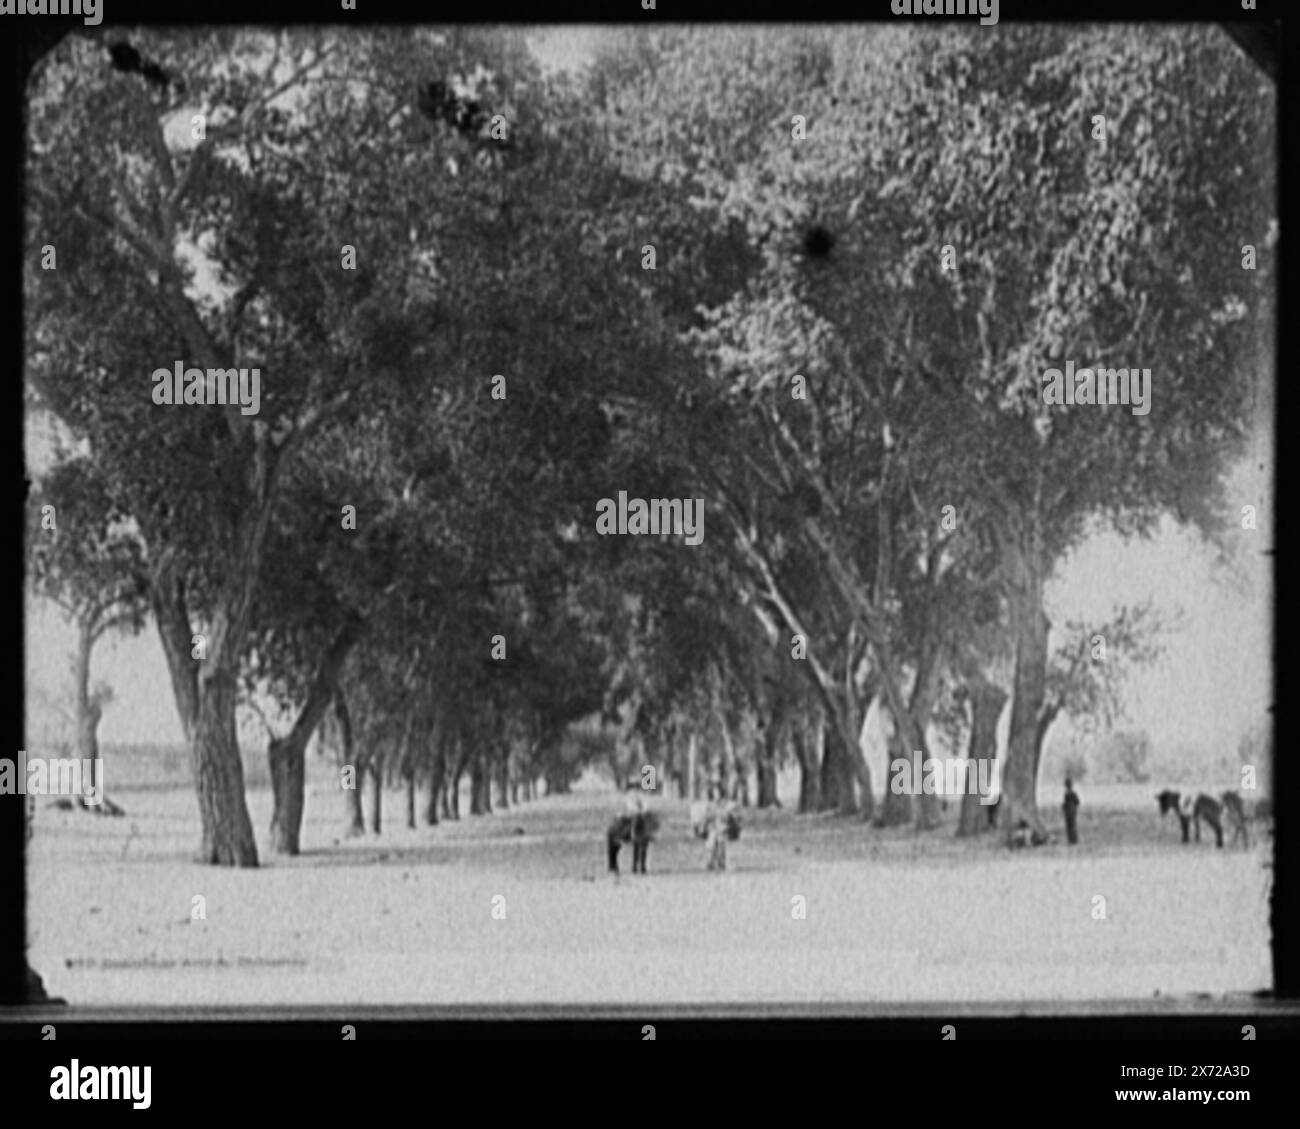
614 840
1071 809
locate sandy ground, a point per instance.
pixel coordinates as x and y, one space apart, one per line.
408 917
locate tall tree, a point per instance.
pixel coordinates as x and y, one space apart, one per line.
84 556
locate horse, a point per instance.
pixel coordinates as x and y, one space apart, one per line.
1236 810
1191 811
636 829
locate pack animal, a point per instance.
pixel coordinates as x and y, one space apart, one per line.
1191 811
639 830
1236 810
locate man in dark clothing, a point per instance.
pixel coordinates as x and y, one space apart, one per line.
1071 808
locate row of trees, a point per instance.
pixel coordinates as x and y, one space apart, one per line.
865 248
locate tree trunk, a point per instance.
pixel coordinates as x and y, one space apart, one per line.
376 767
436 793
897 806
88 750
287 756
927 807
829 780
167 596
924 689
842 758
409 775
88 710
907 743
1046 716
448 785
987 701
740 779
87 713
838 693
480 801
765 761
503 780
206 692
227 836
809 771
353 815
557 782
453 785
353 818
288 764
855 765
837 774
1019 783
725 770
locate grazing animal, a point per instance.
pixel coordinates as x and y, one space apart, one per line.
639 830
1237 813
1193 811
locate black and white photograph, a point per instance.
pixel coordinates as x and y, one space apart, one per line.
648 514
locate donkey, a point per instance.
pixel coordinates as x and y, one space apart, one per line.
1191 811
636 829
